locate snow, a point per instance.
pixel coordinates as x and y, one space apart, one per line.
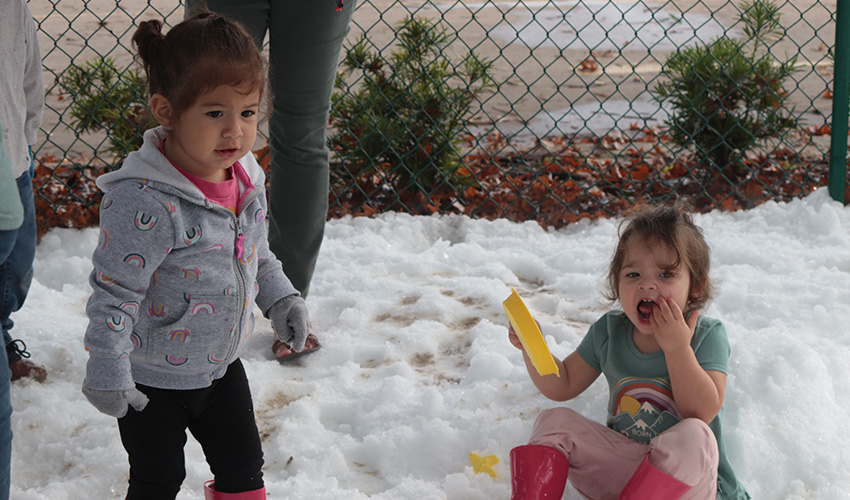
417 371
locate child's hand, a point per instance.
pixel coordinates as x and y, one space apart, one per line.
672 332
290 321
116 403
514 339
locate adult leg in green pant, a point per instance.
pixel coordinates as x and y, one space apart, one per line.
305 41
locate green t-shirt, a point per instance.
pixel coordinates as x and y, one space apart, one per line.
641 403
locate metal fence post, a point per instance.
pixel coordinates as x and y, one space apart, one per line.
840 103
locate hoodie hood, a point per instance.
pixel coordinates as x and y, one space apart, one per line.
149 165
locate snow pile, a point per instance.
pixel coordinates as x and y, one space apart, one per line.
416 370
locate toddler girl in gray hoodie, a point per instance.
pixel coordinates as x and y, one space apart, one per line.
181 260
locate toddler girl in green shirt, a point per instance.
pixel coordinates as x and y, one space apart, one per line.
666 370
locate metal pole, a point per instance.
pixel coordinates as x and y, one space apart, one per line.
840 102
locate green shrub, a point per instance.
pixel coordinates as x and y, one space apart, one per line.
105 98
727 96
404 119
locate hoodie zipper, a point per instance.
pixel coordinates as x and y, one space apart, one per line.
240 283
240 278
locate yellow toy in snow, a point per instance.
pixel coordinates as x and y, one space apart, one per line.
483 464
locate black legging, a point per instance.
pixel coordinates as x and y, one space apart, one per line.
220 417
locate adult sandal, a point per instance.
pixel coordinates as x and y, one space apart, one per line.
310 346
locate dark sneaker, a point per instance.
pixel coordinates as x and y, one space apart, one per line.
25 368
17 353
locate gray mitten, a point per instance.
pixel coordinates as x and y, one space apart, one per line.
290 321
115 403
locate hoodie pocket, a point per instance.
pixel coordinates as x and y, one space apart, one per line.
202 336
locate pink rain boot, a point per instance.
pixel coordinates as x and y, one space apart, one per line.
649 483
538 472
211 494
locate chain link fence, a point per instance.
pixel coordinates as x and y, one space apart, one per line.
549 111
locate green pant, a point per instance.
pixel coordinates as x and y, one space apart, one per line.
305 40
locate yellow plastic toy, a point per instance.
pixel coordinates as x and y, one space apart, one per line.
483 464
529 334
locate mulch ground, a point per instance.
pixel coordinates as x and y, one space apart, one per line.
556 182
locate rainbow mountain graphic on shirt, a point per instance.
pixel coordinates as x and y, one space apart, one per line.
645 424
642 408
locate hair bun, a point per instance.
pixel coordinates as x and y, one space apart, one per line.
197 55
148 39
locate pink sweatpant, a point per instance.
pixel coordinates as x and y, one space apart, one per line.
602 460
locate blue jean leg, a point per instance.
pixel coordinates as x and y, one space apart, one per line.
5 426
17 252
17 249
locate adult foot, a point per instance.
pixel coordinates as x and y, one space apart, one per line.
283 352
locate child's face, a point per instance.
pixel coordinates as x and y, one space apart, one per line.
645 276
218 129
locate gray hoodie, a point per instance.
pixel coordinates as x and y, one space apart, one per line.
175 276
